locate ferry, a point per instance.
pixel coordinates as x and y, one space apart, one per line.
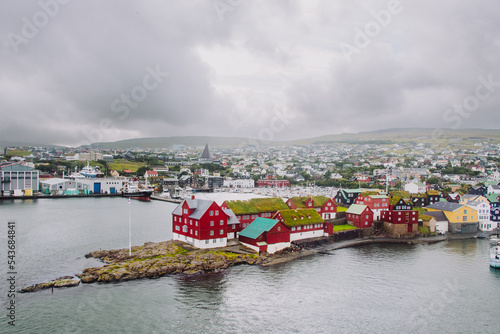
495 256
133 191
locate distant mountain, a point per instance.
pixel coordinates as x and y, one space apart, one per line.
386 136
166 142
10 143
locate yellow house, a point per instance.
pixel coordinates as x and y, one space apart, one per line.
461 218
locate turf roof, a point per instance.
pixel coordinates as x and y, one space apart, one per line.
256 205
300 202
301 217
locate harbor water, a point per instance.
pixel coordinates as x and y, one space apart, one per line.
447 287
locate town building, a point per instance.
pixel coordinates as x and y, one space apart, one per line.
265 235
461 218
303 223
273 183
347 197
239 183
376 203
247 211
359 215
202 223
16 179
400 219
322 204
483 208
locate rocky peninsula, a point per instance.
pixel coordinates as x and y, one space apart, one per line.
153 260
157 259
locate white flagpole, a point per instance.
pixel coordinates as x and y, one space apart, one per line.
129 230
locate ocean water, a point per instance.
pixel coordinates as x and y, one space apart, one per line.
446 287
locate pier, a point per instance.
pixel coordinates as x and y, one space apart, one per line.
41 196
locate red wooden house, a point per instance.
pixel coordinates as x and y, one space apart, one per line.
265 235
273 183
359 215
324 205
303 223
400 219
201 223
248 211
376 203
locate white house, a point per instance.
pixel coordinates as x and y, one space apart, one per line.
415 187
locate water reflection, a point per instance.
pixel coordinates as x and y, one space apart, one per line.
464 247
204 291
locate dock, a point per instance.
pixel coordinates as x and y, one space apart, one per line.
42 196
166 199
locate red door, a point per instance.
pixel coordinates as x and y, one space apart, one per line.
410 228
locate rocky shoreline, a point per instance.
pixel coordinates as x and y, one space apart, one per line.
154 260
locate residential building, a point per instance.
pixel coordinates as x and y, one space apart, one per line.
239 183
360 216
376 203
347 197
265 235
247 211
400 219
303 223
461 218
415 187
482 205
273 183
202 223
442 223
322 204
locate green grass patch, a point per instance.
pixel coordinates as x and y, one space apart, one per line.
18 153
228 255
121 164
345 227
423 230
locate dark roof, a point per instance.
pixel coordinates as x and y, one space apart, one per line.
439 215
445 206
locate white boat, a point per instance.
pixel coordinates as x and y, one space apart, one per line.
91 172
495 256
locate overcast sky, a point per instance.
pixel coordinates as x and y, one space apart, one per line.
74 72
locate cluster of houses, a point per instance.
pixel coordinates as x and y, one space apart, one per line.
272 224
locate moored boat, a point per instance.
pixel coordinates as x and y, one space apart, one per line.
136 191
495 256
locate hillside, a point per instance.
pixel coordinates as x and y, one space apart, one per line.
387 136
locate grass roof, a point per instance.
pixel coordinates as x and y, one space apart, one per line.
433 192
341 209
404 194
425 217
394 200
301 217
256 205
300 202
